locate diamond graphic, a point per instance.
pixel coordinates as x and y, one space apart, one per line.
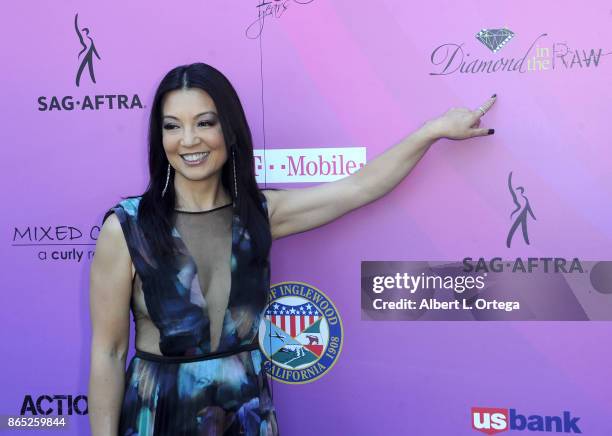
495 39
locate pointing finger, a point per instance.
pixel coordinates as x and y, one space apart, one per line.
486 106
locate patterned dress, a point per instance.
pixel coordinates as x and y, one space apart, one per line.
183 379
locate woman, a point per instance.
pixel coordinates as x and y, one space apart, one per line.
190 258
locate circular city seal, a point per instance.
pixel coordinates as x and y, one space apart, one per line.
300 333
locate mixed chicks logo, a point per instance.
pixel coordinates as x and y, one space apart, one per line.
301 333
85 62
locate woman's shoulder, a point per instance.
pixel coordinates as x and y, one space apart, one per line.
128 206
269 195
269 198
125 222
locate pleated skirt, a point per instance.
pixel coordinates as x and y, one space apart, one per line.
220 396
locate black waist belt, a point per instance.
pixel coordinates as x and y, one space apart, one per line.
181 359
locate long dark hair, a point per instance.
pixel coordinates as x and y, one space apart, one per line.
155 211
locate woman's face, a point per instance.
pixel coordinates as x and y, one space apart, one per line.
192 135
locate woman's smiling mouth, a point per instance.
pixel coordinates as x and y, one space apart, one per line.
195 158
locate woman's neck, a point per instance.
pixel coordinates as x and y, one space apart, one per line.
196 195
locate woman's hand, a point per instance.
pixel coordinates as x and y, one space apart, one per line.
298 210
461 123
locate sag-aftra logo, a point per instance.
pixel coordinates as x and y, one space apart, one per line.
495 420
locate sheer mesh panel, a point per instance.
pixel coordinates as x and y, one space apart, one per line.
208 238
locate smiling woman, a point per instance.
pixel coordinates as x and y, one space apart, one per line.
192 141
190 257
195 272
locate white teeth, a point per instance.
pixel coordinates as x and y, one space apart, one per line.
194 157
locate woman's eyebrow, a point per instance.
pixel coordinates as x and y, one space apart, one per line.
196 116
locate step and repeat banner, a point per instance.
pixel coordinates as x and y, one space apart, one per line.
473 298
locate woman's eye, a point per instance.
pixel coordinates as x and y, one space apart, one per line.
201 124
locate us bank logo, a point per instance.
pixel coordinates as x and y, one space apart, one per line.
493 420
87 56
301 333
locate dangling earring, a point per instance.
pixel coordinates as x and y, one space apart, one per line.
167 180
235 179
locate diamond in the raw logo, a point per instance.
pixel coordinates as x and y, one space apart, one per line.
495 39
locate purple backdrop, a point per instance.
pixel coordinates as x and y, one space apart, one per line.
328 74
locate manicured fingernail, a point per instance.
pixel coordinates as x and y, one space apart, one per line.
494 95
491 131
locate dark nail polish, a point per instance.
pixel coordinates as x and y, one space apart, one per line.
494 95
491 131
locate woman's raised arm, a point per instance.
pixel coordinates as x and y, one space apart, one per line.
110 290
297 210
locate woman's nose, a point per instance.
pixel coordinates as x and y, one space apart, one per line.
189 137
